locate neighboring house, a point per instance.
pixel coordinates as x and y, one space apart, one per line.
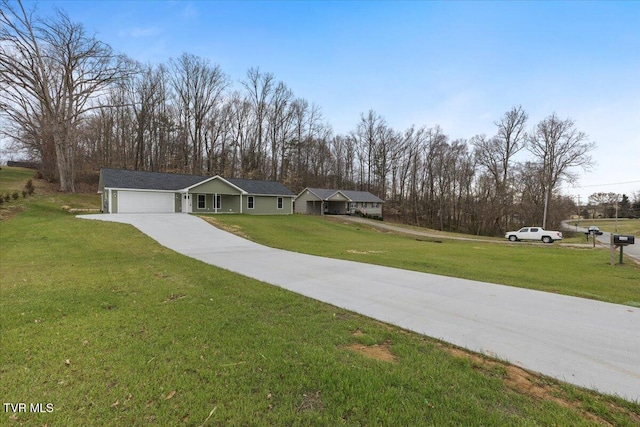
320 201
128 191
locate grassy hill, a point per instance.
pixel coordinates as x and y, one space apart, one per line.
112 329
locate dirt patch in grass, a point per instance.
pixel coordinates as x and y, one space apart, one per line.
381 352
311 401
353 251
174 297
524 382
8 212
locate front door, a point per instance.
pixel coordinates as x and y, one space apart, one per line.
186 203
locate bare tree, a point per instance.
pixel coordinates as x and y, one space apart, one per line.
558 146
56 69
279 124
369 135
240 133
607 202
259 88
199 87
496 156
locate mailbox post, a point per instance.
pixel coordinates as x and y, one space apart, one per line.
594 234
618 240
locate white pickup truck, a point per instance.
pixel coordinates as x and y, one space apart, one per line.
533 233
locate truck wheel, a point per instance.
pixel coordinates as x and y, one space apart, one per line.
513 239
547 239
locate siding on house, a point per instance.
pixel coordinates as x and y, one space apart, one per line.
228 203
368 208
321 201
267 205
214 186
185 191
302 205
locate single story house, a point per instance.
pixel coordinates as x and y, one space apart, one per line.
321 201
129 191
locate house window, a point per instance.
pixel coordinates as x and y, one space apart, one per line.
250 202
374 205
217 201
280 202
202 201
364 204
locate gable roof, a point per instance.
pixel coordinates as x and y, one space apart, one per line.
361 196
353 196
140 180
321 193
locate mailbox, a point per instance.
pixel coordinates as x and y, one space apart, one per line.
621 240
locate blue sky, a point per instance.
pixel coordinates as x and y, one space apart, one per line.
459 64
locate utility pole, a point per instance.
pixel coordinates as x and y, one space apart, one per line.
546 201
579 215
616 228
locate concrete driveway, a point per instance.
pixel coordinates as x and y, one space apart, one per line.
587 343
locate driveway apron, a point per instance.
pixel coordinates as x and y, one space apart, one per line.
587 343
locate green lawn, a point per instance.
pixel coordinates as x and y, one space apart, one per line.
113 329
578 271
14 179
621 226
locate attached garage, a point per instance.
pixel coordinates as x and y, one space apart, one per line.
131 191
145 202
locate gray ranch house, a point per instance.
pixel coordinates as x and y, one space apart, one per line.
128 191
321 201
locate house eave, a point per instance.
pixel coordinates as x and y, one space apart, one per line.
141 189
216 177
270 195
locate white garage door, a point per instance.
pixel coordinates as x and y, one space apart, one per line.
145 202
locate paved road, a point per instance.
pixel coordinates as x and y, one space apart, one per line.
583 342
632 251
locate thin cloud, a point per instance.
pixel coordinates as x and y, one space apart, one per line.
190 11
140 32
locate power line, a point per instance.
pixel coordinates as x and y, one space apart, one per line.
604 185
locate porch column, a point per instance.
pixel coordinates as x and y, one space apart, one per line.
110 201
240 202
215 202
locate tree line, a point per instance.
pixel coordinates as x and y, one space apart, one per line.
611 205
76 105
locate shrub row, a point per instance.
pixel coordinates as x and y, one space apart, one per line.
29 189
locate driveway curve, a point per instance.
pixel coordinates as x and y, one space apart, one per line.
632 251
587 343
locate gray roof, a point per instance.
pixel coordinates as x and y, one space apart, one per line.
254 186
354 196
361 196
322 193
140 180
122 178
